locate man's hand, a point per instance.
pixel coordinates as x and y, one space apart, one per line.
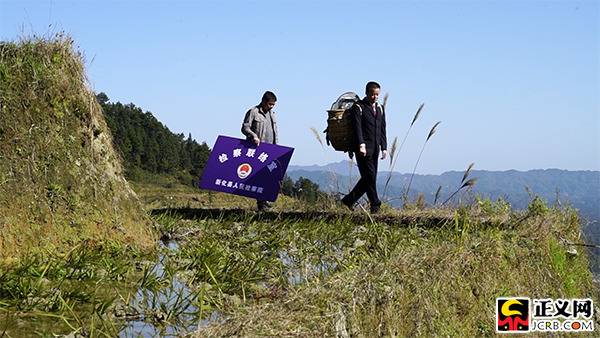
256 141
383 154
363 149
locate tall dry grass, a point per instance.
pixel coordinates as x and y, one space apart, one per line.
396 150
437 195
317 136
431 133
464 183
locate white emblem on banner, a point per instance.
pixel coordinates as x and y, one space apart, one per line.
244 170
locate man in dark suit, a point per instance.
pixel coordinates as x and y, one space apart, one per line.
368 122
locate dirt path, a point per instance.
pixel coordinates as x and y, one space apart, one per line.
355 217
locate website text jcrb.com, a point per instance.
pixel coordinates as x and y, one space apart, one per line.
564 326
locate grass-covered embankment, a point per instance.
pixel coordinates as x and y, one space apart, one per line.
61 181
423 272
314 278
433 272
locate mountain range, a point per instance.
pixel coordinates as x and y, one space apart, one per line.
580 189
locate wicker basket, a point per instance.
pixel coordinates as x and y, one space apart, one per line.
339 130
336 113
339 124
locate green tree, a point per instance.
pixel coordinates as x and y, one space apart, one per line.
287 186
307 190
146 144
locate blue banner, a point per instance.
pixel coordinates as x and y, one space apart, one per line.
239 167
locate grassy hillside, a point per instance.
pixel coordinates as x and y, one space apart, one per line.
325 271
61 181
304 270
434 272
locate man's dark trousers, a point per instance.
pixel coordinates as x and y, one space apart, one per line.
367 166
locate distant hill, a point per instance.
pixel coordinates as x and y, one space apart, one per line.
342 167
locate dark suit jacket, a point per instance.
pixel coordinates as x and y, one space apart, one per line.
368 127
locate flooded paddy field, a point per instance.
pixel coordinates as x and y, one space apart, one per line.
246 274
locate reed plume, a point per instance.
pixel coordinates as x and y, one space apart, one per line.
393 157
431 132
437 194
464 182
317 136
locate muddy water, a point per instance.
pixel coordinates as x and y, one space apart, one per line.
163 306
155 306
167 310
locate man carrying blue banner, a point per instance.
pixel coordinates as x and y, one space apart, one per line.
260 126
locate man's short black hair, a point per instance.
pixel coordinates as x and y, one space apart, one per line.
269 96
371 85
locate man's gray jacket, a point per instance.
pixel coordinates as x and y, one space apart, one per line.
256 124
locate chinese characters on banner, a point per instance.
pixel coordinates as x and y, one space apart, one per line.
239 167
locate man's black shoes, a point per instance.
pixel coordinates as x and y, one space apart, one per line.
347 204
375 209
264 206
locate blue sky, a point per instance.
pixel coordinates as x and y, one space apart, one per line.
516 84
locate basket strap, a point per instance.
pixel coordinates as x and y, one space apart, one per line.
359 107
